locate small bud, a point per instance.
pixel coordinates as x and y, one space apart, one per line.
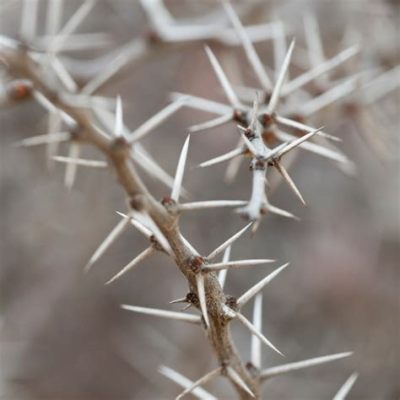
192 298
19 90
195 263
231 302
240 117
136 202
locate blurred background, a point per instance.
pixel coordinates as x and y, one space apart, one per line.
63 335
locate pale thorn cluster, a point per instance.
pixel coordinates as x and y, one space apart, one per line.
256 353
186 383
144 225
346 387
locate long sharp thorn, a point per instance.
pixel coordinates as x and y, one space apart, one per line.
224 272
199 205
107 242
256 332
81 161
281 79
203 380
315 148
244 298
295 366
238 380
139 258
257 322
223 80
71 168
180 300
221 120
55 137
177 316
304 128
185 383
156 120
285 175
224 157
119 121
251 54
228 242
202 297
235 264
346 387
176 189
280 211
29 19
294 143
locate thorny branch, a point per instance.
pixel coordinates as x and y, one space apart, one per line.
38 73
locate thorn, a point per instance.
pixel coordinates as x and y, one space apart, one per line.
55 137
200 205
315 148
244 298
256 332
224 157
202 381
176 189
238 380
200 103
156 120
345 389
176 316
80 161
71 168
276 93
181 300
235 264
107 242
313 39
228 242
139 258
223 80
304 128
185 383
285 175
224 272
248 47
215 122
296 142
299 365
202 298
280 211
257 322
